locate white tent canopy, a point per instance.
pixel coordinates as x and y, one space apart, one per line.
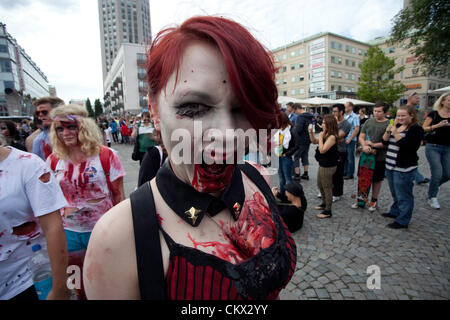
354 101
442 89
317 101
286 99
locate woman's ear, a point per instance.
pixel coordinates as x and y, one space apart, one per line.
154 113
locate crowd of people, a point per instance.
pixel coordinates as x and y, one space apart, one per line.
387 147
195 230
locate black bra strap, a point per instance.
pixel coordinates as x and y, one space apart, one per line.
148 247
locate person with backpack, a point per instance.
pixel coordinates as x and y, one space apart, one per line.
89 174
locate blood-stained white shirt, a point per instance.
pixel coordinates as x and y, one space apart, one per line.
85 188
23 198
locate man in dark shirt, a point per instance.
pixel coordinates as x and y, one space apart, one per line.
304 119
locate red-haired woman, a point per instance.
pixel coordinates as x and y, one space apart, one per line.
221 234
327 156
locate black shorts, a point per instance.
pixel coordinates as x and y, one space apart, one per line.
378 173
302 154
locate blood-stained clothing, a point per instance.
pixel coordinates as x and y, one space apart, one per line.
28 190
41 145
86 190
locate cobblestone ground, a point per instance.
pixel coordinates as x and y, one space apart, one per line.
333 254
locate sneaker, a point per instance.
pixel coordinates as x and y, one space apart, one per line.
348 177
426 180
296 177
396 225
355 205
336 198
433 202
305 177
373 206
388 215
319 195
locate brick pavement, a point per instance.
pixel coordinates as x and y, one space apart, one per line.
333 254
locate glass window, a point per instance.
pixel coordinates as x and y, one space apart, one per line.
5 65
3 48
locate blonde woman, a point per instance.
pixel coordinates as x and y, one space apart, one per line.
437 150
90 174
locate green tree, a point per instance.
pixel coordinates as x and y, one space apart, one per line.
98 108
89 108
424 26
377 78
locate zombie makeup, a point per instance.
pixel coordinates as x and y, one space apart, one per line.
201 92
67 132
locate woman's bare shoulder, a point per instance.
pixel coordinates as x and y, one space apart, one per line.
110 270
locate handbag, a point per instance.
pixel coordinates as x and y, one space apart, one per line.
136 155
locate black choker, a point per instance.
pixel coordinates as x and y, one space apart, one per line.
191 205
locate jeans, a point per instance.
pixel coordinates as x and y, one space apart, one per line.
438 157
401 185
338 176
418 177
349 169
285 171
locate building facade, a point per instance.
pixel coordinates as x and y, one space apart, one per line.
413 76
21 80
324 65
122 21
125 86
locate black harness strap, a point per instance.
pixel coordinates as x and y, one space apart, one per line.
148 246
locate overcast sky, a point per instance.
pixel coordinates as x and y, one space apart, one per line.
63 38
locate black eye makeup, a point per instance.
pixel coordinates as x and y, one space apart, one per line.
192 110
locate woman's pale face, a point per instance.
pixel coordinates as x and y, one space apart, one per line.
202 94
403 117
446 102
67 132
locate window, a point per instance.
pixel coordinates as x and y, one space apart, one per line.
301 65
336 60
301 78
336 74
391 50
3 48
301 91
9 84
284 81
5 66
350 63
293 53
293 79
284 69
300 51
349 76
292 66
293 92
415 71
336 45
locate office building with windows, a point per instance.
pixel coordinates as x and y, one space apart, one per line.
125 86
21 80
414 77
323 65
122 21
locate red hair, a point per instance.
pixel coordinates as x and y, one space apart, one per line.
249 65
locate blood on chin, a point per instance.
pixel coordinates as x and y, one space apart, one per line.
212 178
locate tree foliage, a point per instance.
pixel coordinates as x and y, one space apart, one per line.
89 108
424 26
98 108
377 78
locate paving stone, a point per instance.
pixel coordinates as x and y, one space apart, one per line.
346 293
322 293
